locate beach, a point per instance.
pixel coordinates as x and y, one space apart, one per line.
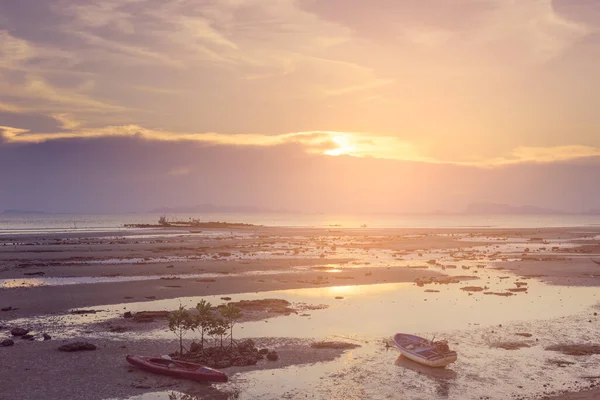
507 299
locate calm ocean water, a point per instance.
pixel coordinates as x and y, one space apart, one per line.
32 223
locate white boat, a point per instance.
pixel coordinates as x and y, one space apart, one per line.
423 351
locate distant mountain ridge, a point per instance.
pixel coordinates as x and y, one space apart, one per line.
21 212
213 209
495 208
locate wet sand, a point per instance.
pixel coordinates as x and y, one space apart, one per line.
585 395
255 261
38 370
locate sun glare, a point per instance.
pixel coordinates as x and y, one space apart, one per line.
344 146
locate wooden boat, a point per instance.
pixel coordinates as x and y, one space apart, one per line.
423 351
177 369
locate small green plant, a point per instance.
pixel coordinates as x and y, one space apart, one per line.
204 319
231 314
180 321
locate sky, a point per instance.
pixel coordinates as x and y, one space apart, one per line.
311 105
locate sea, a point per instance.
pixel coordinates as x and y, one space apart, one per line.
57 223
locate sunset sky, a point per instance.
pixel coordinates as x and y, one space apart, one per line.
312 105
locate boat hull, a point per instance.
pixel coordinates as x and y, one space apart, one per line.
420 350
177 369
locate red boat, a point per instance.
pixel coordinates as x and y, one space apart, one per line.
177 369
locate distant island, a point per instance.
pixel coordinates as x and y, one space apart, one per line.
22 212
495 208
164 222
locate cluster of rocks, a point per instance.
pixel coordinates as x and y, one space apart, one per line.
146 316
437 280
23 334
77 346
241 354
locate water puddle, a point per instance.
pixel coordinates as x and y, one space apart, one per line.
37 282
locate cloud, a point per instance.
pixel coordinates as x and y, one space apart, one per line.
526 154
12 108
330 143
431 77
133 52
37 87
13 50
66 121
157 90
97 15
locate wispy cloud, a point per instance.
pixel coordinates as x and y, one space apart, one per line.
135 53
533 154
66 121
158 90
12 108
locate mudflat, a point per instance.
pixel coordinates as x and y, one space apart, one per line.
326 275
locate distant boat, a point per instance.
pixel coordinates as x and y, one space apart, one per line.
595 261
195 231
177 369
424 351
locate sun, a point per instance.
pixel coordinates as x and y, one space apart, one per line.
344 146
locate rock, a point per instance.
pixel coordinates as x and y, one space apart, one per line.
118 329
27 337
6 343
46 336
272 356
127 314
19 331
226 298
7 309
141 386
82 312
511 345
77 346
263 351
472 289
148 316
246 346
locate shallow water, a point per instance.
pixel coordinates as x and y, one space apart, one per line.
481 371
370 314
36 282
